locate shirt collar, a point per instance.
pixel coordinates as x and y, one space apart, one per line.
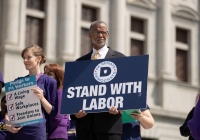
101 51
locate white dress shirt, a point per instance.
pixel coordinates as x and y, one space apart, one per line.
102 52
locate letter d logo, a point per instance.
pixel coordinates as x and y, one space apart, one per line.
105 71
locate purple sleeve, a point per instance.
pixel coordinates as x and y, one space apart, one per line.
59 100
59 107
1 79
194 123
53 98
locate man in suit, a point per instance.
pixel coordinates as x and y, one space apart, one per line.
106 125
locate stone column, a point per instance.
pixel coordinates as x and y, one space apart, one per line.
10 22
50 34
10 40
117 25
66 29
164 39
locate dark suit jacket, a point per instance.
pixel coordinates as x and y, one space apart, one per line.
101 122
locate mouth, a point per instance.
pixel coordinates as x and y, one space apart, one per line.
101 40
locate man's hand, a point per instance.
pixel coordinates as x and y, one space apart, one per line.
80 114
113 110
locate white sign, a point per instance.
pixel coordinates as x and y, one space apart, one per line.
23 105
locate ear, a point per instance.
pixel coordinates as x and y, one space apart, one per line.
90 35
108 34
39 58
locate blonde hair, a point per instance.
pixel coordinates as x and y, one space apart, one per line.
37 51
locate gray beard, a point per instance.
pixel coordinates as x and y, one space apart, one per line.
95 43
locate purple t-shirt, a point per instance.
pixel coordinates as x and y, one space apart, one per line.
38 131
3 131
194 123
1 78
60 123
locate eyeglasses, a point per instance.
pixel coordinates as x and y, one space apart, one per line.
100 32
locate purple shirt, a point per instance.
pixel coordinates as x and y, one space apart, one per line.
3 131
60 123
38 131
194 123
1 78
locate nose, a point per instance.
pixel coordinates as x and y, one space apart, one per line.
100 34
25 60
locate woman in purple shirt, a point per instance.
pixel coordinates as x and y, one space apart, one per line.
60 123
3 130
46 92
1 82
194 123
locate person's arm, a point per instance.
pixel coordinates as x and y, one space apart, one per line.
9 126
184 130
1 86
53 98
145 118
47 106
194 123
1 82
51 106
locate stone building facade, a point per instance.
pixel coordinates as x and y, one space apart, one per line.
167 30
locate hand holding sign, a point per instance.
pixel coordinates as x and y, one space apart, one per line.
113 110
137 115
80 114
39 92
12 129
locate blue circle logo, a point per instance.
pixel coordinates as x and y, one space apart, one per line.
105 71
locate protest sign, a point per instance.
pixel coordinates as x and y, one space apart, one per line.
97 85
23 105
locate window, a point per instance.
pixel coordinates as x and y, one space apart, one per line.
181 65
89 13
182 49
181 35
34 31
86 45
137 36
36 4
137 25
137 47
35 22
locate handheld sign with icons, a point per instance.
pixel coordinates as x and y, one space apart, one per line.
23 105
95 86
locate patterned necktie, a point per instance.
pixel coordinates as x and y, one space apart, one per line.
95 57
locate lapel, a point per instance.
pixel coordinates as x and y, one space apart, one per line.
88 56
110 53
